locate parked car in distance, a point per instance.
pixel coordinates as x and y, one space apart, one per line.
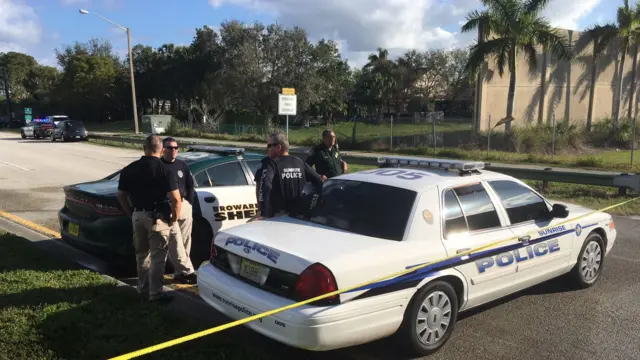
67 130
55 119
37 129
92 219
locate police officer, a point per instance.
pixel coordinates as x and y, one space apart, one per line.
257 177
326 157
180 241
148 193
282 180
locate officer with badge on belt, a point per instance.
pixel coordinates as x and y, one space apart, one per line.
326 157
180 241
148 193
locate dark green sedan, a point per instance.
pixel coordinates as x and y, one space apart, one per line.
93 221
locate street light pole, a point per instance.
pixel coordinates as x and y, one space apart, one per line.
133 83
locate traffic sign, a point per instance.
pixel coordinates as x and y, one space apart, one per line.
27 118
27 111
288 91
287 104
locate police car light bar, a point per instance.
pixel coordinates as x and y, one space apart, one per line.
460 165
225 150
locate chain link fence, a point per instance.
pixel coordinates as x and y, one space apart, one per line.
432 134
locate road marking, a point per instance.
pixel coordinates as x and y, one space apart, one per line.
29 224
15 166
625 258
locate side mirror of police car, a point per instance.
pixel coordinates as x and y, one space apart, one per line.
559 211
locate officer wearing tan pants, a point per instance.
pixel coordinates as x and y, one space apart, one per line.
148 193
180 238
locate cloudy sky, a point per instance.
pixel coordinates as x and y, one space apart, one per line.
38 27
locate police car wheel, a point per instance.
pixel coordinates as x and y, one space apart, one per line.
590 261
430 318
22 135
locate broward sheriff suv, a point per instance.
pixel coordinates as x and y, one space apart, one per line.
475 236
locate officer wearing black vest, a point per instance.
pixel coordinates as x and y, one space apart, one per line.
282 180
326 157
148 193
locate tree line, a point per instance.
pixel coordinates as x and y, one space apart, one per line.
234 73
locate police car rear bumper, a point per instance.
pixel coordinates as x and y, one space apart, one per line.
307 327
105 236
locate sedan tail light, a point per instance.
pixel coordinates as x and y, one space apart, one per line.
212 252
317 280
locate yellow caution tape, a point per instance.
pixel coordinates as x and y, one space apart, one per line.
219 328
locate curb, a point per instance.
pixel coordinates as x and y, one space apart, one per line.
30 225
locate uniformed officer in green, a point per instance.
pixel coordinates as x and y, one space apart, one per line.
326 157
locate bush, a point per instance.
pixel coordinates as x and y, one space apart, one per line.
539 138
603 133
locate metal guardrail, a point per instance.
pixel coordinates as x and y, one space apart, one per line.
622 181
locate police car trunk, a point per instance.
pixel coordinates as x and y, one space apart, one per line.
314 263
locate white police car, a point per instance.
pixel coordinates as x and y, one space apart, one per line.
374 223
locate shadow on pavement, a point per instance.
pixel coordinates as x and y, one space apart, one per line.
11 139
554 286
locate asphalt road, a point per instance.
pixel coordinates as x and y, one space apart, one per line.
549 321
33 172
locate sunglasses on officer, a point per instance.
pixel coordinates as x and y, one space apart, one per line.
171 147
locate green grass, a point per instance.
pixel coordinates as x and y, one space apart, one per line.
312 135
122 126
611 160
593 197
52 309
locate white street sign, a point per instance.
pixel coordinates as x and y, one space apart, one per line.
287 104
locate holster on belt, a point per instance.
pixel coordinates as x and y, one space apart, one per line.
162 212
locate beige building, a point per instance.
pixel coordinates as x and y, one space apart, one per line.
555 87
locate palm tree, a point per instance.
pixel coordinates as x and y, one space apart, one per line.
514 26
600 36
628 23
380 67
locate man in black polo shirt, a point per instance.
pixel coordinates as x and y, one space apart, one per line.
148 193
326 157
180 241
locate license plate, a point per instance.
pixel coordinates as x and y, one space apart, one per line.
77 137
251 270
74 229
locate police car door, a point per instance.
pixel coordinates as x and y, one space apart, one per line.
529 214
471 220
225 194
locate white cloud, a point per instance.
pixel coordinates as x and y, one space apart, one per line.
362 26
19 26
74 2
568 13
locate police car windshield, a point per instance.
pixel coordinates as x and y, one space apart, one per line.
364 208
